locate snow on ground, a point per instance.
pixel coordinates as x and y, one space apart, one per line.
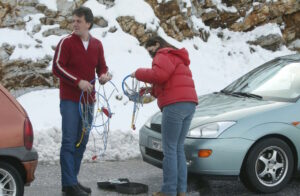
222 6
51 4
214 64
296 43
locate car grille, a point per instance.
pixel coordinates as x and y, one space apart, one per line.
156 127
154 154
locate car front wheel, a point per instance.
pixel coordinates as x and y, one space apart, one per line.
11 182
269 166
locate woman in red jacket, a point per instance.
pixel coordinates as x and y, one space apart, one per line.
174 88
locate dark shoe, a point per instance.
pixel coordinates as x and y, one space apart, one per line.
158 194
86 189
74 191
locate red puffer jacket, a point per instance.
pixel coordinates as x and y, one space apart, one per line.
171 77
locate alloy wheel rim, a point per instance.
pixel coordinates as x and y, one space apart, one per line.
7 184
1 190
271 166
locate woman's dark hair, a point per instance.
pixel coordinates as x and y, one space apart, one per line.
157 39
86 12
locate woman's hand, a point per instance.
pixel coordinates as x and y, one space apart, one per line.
133 75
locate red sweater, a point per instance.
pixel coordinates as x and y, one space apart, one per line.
171 77
72 63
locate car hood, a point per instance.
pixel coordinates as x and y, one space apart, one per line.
217 107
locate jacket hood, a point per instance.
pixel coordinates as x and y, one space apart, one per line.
180 53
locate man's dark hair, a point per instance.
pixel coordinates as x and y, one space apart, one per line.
157 39
86 12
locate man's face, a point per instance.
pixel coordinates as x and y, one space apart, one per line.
153 49
80 26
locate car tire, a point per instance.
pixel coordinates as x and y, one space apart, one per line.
10 179
268 166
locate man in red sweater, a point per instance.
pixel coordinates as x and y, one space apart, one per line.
77 58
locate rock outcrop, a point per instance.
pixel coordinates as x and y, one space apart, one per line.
176 18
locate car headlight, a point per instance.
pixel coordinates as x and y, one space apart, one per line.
211 130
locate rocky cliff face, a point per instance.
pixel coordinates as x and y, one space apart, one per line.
236 15
176 19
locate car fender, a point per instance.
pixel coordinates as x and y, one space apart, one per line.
276 129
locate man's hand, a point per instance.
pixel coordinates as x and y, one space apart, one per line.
85 86
105 78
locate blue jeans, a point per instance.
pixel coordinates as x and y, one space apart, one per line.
70 155
176 120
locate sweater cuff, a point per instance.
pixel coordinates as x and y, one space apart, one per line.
77 82
138 74
102 72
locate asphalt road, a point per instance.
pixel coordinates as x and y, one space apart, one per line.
47 182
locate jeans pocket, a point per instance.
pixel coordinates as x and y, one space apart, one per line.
182 108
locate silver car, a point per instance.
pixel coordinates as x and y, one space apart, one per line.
250 129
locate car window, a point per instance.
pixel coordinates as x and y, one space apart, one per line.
284 83
276 80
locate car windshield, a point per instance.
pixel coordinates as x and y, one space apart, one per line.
277 80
